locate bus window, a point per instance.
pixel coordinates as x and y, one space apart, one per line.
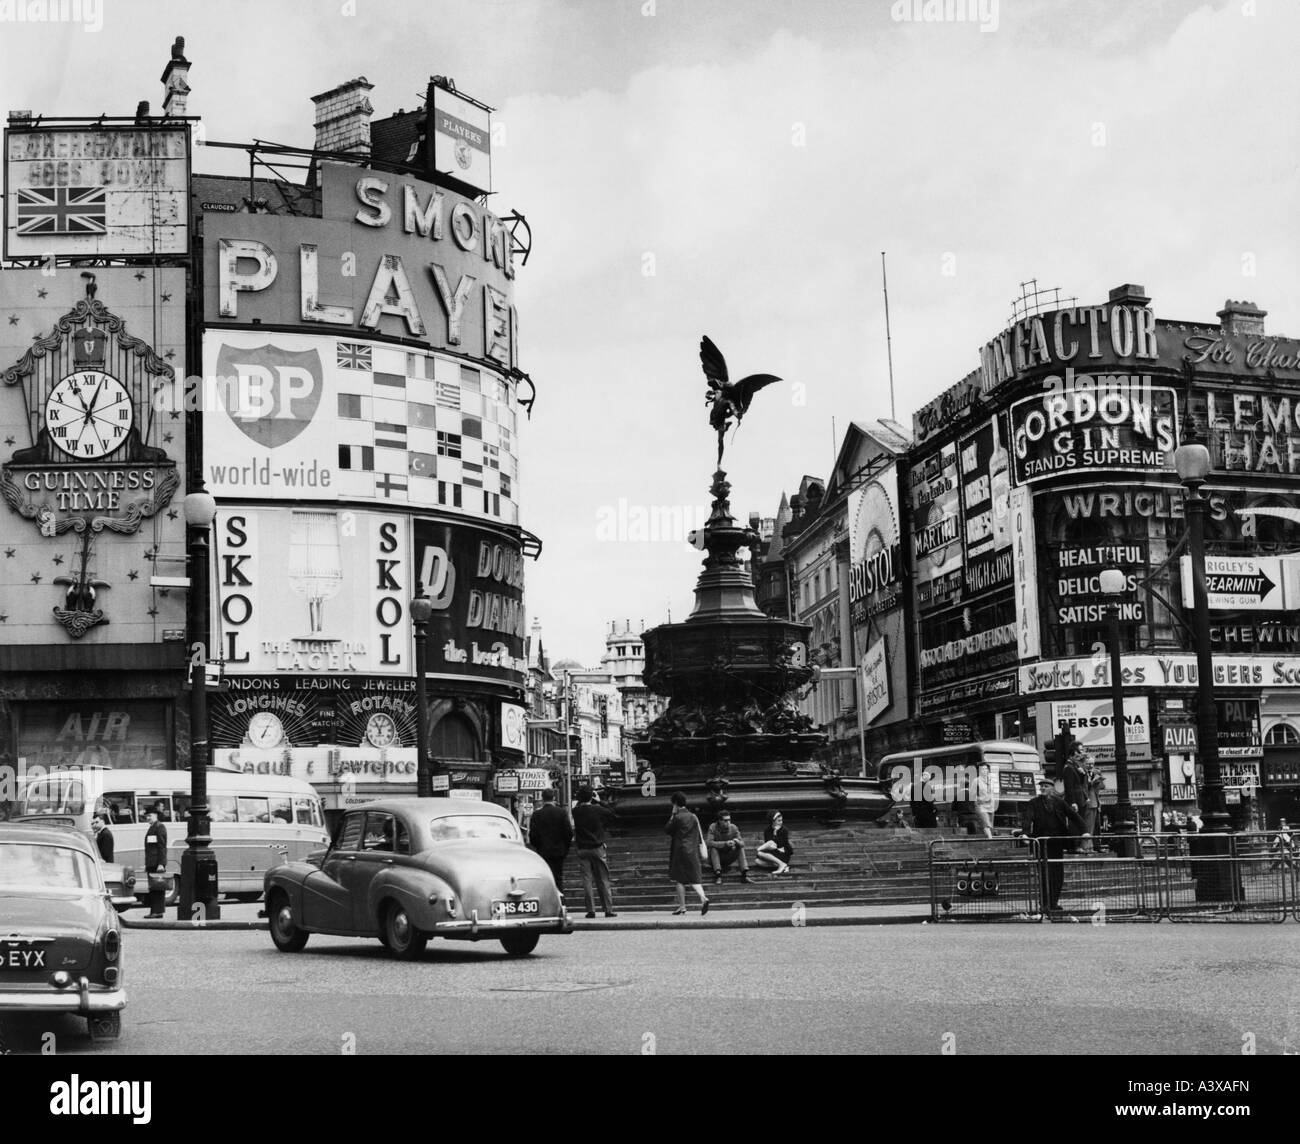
281 809
120 805
54 795
306 812
254 810
221 808
181 807
162 803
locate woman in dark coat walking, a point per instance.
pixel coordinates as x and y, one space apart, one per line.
687 839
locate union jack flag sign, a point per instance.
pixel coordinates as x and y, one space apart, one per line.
61 210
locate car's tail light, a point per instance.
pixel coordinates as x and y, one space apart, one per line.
111 975
112 945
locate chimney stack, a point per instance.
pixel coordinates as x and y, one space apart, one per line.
1242 318
175 81
343 117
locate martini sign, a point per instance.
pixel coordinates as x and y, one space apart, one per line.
1247 583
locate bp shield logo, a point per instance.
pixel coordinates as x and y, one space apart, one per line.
270 393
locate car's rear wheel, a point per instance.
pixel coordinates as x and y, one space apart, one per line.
287 936
401 937
520 944
105 1026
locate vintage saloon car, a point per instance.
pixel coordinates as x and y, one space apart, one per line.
60 937
405 870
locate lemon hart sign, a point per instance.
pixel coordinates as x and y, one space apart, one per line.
87 449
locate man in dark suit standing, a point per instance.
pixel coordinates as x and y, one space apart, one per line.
1076 786
155 860
550 835
1050 819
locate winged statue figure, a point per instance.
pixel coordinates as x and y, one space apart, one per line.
729 399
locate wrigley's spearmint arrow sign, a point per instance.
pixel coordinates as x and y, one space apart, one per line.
1247 583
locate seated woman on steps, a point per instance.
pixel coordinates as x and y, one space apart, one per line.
776 851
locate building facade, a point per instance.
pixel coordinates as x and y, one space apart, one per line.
336 362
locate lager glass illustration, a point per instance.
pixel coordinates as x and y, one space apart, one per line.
315 562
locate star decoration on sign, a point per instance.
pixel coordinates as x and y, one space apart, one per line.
152 553
13 319
41 293
133 575
139 275
58 560
9 552
166 297
170 353
4 619
175 414
171 512
153 611
167 438
9 440
36 577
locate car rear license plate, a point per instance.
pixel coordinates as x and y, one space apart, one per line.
21 955
517 907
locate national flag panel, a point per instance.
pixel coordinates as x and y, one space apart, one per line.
61 210
423 464
353 355
357 457
390 436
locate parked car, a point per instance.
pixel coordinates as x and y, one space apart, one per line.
405 870
60 937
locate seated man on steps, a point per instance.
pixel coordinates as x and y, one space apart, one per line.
726 847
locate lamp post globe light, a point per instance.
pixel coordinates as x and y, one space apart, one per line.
1193 465
1114 583
198 862
421 610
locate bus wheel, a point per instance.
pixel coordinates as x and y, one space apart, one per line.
288 937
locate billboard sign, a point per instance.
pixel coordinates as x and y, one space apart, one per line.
873 681
393 256
462 139
1091 722
312 590
96 191
1107 423
475 578
936 535
1248 583
309 417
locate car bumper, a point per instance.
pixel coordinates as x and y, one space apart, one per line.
79 997
474 929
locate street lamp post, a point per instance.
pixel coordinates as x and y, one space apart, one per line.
421 610
1193 465
1113 585
198 862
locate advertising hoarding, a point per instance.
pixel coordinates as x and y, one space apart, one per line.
1091 722
475 578
873 681
462 139
318 418
1118 422
90 470
393 255
875 553
936 529
101 191
986 508
312 590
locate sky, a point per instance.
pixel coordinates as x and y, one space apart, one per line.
736 169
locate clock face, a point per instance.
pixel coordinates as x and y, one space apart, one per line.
89 414
265 730
381 731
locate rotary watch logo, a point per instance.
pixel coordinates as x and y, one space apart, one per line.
87 390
